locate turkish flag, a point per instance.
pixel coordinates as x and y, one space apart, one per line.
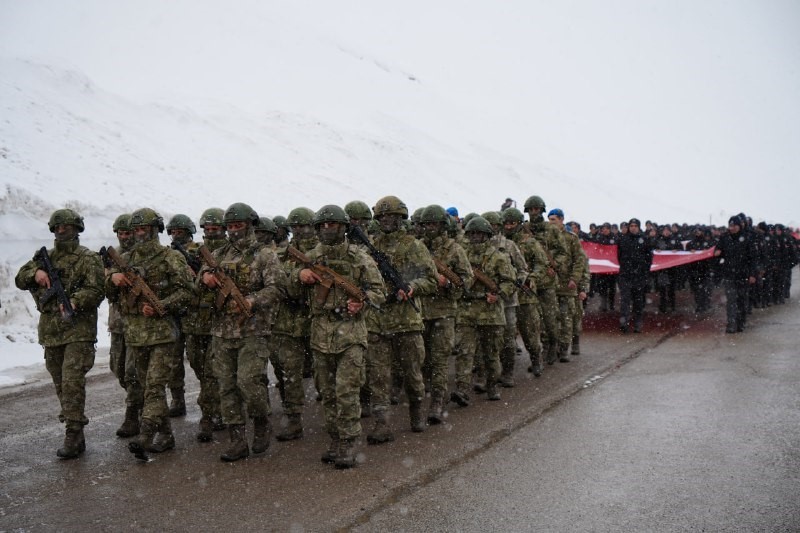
603 258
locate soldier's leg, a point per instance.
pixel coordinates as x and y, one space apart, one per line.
378 370
325 368
177 378
565 326
529 326
411 351
466 346
577 325
350 375
441 339
638 291
508 352
252 358
78 360
549 309
157 368
198 352
116 357
226 354
54 362
291 352
490 343
624 303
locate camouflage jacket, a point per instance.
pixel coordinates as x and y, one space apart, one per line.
414 263
578 265
333 329
81 272
256 271
536 259
476 311
518 263
293 313
198 318
165 271
443 303
549 237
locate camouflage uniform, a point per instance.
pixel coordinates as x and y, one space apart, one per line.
439 309
481 323
529 321
400 324
68 345
573 273
291 333
150 340
338 338
240 345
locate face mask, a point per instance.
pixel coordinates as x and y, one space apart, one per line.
66 233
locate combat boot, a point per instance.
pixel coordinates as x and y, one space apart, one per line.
217 423
536 364
346 457
262 432
435 415
333 450
576 345
479 381
418 424
294 428
493 392
394 395
460 395
165 440
507 379
206 429
74 443
380 431
563 348
177 406
238 448
130 426
551 352
139 447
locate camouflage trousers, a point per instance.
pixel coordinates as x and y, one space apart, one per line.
152 368
409 348
484 342
340 377
577 317
566 312
201 359
529 325
439 338
68 365
288 355
508 352
177 374
116 357
238 366
548 306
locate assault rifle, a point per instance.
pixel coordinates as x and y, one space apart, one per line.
329 278
521 285
387 269
107 263
448 273
193 262
56 286
487 282
139 286
225 285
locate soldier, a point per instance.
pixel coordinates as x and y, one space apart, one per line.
529 320
481 319
635 255
266 231
439 309
552 243
241 328
571 290
282 235
124 368
149 335
401 323
291 332
69 342
197 328
180 228
508 353
738 271
338 332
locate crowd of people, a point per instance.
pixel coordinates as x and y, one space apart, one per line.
370 303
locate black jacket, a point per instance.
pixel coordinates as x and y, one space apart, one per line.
635 255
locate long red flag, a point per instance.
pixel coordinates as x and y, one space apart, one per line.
603 258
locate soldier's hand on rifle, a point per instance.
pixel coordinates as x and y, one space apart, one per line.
491 298
62 310
572 285
354 306
147 310
119 279
41 278
551 272
443 281
403 296
582 296
209 280
309 277
236 308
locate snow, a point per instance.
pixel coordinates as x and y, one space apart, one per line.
638 108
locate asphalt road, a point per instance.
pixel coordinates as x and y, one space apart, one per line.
679 428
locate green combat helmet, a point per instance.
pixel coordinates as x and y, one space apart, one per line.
213 216
147 217
492 217
534 201
241 212
300 216
358 209
265 224
122 223
434 213
467 218
280 221
390 205
417 215
181 222
331 213
480 224
512 214
65 217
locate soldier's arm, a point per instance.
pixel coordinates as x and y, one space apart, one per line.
505 276
182 284
371 281
460 265
425 283
267 279
92 288
25 278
